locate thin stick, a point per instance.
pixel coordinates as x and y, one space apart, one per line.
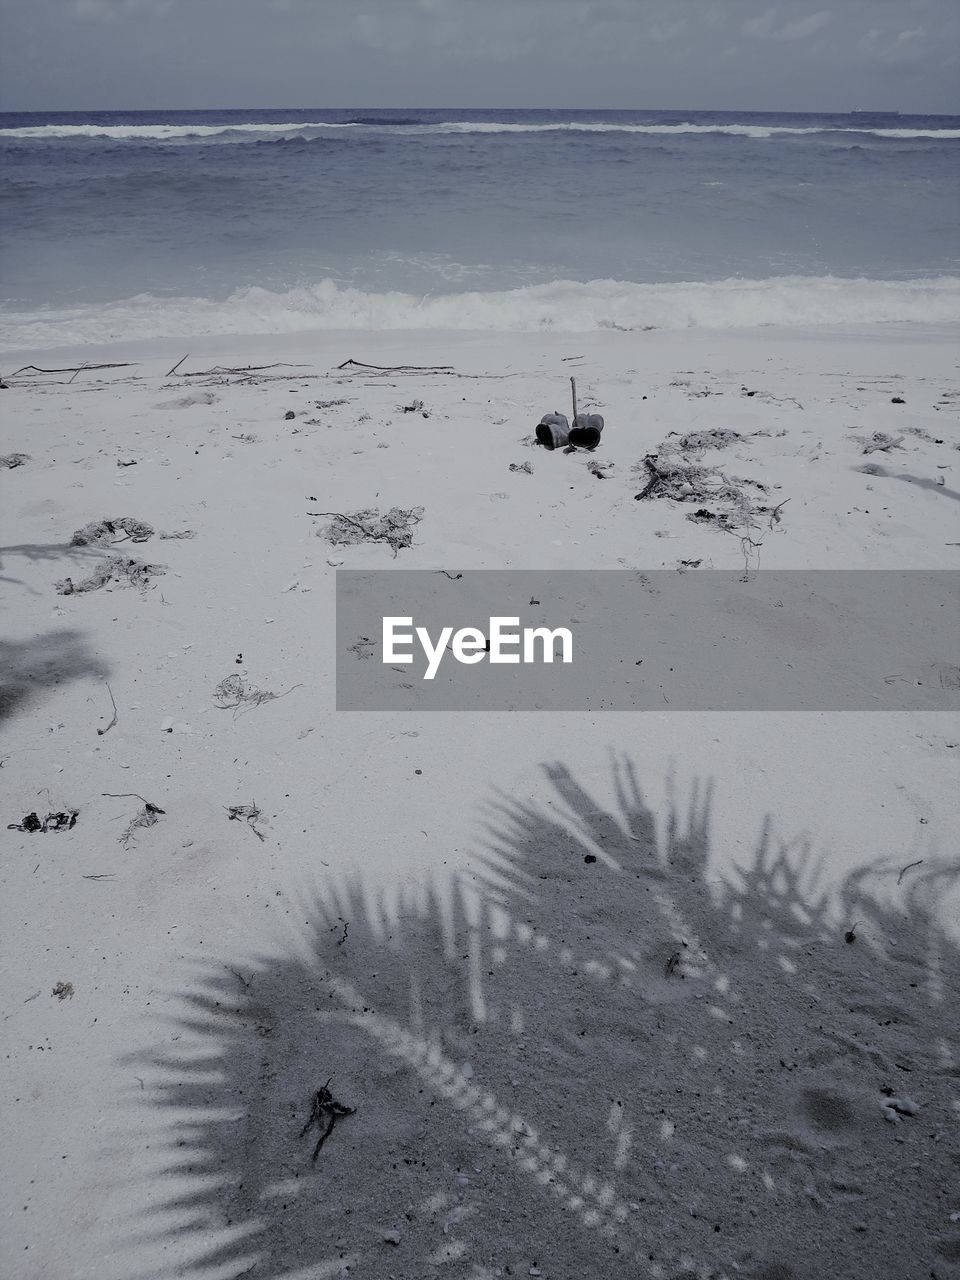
907 868
176 366
124 795
82 367
573 388
399 368
247 368
101 732
124 364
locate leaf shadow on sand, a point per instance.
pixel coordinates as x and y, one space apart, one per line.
45 661
583 1061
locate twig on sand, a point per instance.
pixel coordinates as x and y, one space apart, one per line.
907 868
101 732
573 390
177 366
398 368
324 1113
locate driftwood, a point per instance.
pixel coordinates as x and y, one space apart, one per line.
224 369
398 368
74 369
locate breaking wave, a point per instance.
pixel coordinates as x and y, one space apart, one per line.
240 131
561 306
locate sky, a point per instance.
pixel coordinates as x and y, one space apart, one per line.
745 55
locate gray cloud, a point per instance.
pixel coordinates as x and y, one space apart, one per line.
693 54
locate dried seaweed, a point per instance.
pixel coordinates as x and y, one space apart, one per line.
101 533
248 813
395 528
127 572
673 475
11 460
234 692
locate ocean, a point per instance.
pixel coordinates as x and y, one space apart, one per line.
148 224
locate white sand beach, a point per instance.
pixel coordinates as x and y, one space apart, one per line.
666 994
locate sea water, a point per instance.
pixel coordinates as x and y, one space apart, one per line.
142 224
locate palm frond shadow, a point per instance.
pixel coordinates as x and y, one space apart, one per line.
586 1060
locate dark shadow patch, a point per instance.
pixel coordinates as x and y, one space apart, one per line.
30 668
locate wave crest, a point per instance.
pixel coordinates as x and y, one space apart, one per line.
562 306
239 131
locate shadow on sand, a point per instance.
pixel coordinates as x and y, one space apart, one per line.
583 1061
29 667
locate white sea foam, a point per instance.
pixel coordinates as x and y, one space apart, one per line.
305 128
564 306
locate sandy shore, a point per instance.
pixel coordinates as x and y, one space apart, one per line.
583 978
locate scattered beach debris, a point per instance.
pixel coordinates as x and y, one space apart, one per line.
898 400
182 535
879 441
11 460
325 1111
126 462
246 438
63 991
248 813
392 1236
132 573
415 406
394 528
289 416
63 820
525 467
101 732
148 816
102 533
